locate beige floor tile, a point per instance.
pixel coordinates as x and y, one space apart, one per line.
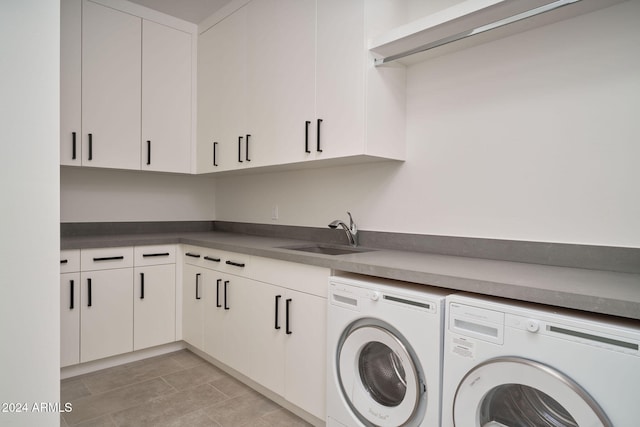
131 373
187 359
71 389
103 421
283 418
230 386
166 409
93 406
193 419
200 374
241 411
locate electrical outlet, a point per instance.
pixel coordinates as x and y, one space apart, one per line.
274 213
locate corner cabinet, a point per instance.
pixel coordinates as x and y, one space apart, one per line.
126 90
297 78
264 318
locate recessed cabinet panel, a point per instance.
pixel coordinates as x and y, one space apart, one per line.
111 70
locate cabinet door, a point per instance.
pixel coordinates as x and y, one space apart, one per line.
106 312
69 319
267 335
237 307
193 293
111 86
214 314
70 82
340 77
305 381
222 94
154 306
166 98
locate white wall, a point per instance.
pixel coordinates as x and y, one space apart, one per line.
94 195
29 219
531 137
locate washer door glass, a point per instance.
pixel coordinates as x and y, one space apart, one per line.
380 376
517 392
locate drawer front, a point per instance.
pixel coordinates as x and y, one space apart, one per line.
224 261
70 261
106 258
154 255
305 278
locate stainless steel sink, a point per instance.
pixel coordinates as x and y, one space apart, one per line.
326 249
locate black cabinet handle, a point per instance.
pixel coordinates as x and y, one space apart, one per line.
148 152
246 149
89 293
240 149
71 297
155 255
306 137
215 148
226 305
198 286
90 156
64 261
218 305
287 317
141 285
73 145
192 255
318 149
208 258
235 264
277 326
108 258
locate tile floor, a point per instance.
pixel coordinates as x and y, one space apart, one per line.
176 389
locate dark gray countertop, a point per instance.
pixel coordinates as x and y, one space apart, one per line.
598 291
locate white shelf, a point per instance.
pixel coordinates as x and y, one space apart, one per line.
455 28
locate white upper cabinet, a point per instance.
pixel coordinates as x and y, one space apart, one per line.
70 81
222 101
305 81
111 87
166 98
126 82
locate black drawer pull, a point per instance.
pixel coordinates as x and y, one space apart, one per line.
306 137
192 255
89 292
215 148
141 285
240 149
235 264
73 150
109 258
277 326
90 156
288 302
208 258
226 305
72 286
318 149
246 150
64 261
198 286
218 305
148 152
158 254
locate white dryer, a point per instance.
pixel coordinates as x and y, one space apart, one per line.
384 353
515 364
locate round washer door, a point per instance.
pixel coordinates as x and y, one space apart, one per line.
380 375
511 391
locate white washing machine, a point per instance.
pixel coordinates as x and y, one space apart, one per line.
522 365
384 353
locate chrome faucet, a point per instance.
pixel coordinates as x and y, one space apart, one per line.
351 230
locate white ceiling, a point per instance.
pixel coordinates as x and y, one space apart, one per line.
190 10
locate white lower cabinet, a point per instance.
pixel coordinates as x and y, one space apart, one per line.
265 319
106 313
115 300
